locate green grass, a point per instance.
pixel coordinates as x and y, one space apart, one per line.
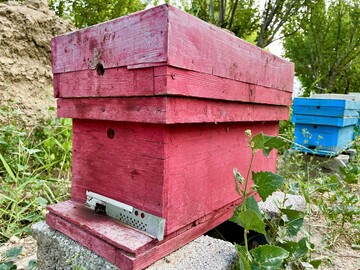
34 170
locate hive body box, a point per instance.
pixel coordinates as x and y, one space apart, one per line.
161 101
324 125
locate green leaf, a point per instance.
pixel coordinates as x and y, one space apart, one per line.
257 142
294 226
271 143
268 257
12 253
316 263
8 169
239 179
289 246
249 220
42 201
266 143
8 266
301 249
252 204
31 265
294 221
266 183
243 259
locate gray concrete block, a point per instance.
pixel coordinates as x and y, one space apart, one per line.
277 199
57 251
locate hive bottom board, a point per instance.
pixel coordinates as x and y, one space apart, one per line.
323 140
123 246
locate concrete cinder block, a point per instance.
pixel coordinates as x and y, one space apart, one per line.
57 251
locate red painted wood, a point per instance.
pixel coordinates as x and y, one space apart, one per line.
101 226
168 110
175 81
179 172
165 80
76 226
115 82
128 168
199 46
131 40
166 35
102 248
199 168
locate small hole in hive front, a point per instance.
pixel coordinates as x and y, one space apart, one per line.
142 215
111 133
100 69
136 213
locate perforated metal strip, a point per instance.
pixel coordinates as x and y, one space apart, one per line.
136 218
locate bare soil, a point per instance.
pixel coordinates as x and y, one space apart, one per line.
26 29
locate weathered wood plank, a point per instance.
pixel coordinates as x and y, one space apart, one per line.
98 225
128 167
166 35
168 110
130 40
199 168
151 251
165 80
115 82
199 46
175 81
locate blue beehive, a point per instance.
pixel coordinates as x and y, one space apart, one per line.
324 126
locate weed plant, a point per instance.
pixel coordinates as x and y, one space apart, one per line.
281 252
34 170
335 195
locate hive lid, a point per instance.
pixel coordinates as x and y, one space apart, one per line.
165 35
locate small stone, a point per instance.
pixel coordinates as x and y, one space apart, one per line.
14 239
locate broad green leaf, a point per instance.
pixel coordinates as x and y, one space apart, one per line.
13 252
294 226
271 142
257 142
268 257
289 246
294 221
252 204
249 220
316 263
243 259
301 249
31 265
266 183
292 214
8 266
266 143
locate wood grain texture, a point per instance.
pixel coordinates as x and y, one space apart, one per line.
70 217
128 167
179 172
166 35
168 110
131 40
164 80
197 45
115 82
199 167
98 225
175 81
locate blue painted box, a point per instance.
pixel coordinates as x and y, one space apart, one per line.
324 126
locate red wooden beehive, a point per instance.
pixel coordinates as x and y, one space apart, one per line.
160 102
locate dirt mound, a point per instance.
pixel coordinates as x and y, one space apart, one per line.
26 29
